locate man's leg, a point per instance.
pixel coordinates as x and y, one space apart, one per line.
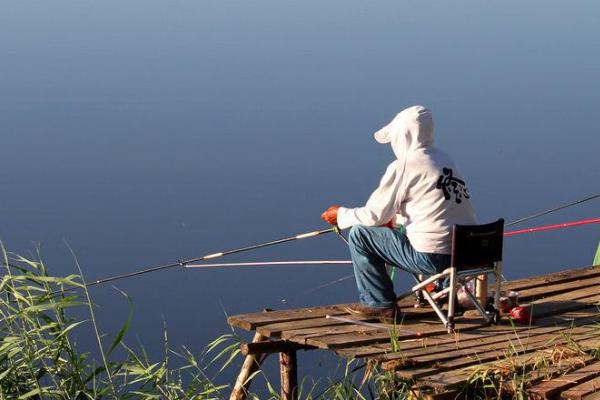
371 248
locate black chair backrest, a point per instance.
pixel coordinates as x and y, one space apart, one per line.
477 246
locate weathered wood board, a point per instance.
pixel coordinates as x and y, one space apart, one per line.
557 352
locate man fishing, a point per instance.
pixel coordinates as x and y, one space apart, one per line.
407 221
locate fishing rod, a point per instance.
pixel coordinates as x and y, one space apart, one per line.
183 263
554 209
269 263
553 226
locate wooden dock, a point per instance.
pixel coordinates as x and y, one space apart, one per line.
555 356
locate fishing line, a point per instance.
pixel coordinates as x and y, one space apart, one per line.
343 278
561 207
339 233
317 288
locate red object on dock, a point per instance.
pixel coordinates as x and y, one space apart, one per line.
521 315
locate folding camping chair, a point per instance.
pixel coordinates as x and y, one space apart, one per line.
476 250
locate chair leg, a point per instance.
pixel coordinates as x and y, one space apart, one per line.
437 309
419 293
498 270
432 302
451 300
479 307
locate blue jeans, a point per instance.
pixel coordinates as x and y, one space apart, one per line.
372 248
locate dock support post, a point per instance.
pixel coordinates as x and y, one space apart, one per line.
289 374
481 289
250 366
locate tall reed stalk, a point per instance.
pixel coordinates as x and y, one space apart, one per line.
39 360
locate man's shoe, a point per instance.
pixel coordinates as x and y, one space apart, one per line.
387 315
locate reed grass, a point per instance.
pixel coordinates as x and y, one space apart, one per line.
40 315
39 358
512 376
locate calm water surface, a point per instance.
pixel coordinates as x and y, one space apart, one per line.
147 131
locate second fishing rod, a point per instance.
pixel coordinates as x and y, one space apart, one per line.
183 263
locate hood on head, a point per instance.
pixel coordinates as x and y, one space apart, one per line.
411 129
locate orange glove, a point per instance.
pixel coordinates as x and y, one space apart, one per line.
330 215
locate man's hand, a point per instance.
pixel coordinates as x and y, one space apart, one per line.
330 215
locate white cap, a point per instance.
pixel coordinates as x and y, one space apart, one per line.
384 135
411 118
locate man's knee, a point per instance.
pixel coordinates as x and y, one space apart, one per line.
357 235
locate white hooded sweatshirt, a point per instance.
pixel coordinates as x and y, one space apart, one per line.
421 189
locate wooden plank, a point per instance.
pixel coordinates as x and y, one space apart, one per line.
429 343
530 294
582 390
459 377
558 369
424 395
563 280
339 338
378 350
278 319
560 276
499 354
490 338
416 372
548 389
535 376
403 331
274 330
565 302
334 340
324 327
485 333
478 351
252 320
534 293
545 291
471 356
270 346
300 335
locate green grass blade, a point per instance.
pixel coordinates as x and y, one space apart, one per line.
121 334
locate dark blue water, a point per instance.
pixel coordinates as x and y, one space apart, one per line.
147 131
